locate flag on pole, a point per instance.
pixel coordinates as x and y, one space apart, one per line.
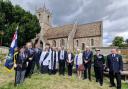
9 59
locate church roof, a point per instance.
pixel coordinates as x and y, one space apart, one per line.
82 31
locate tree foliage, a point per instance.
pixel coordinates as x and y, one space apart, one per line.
10 17
118 41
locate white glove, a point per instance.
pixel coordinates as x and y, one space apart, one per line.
30 59
15 65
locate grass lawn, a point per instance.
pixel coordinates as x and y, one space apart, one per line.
39 81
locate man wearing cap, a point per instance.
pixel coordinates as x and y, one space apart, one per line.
87 61
99 62
115 66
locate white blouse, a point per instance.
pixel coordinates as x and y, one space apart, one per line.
78 59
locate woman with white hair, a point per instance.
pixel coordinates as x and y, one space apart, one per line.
79 63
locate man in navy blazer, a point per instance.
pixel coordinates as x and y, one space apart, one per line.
115 65
37 55
87 61
62 56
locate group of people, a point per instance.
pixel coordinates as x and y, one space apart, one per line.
52 60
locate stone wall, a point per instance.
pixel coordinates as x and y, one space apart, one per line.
58 42
87 42
4 50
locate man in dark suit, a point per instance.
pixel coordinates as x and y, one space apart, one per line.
87 61
20 66
37 55
62 56
99 63
115 65
30 58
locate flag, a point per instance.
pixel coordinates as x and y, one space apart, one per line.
9 59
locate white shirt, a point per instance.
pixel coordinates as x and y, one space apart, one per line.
79 61
62 54
69 57
56 56
47 60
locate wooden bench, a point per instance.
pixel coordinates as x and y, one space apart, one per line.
124 73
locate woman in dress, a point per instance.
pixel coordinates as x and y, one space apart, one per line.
79 63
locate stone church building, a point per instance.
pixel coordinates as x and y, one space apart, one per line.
70 36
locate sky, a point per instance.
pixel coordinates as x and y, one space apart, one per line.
113 13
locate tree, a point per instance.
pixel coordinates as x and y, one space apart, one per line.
118 41
10 17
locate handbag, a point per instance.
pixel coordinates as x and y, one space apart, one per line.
81 67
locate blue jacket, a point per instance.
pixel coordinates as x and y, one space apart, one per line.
37 55
87 56
115 64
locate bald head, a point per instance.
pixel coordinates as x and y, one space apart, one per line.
29 45
114 51
87 48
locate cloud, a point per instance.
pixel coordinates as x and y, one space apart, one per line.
113 13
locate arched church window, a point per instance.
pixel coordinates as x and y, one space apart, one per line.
48 17
77 42
54 43
39 14
83 46
62 42
41 44
92 42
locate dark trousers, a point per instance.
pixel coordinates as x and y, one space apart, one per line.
30 69
70 69
99 74
52 71
37 65
19 76
113 75
44 69
62 67
87 69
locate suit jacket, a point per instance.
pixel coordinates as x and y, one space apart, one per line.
30 54
99 61
72 59
114 64
21 62
37 55
87 56
65 55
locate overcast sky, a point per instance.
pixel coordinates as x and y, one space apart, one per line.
113 13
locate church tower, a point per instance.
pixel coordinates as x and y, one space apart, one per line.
44 16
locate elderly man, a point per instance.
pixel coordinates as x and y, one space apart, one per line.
87 61
53 61
62 56
45 59
115 65
31 62
37 55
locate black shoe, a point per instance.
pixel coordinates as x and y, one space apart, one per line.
96 80
118 88
101 84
